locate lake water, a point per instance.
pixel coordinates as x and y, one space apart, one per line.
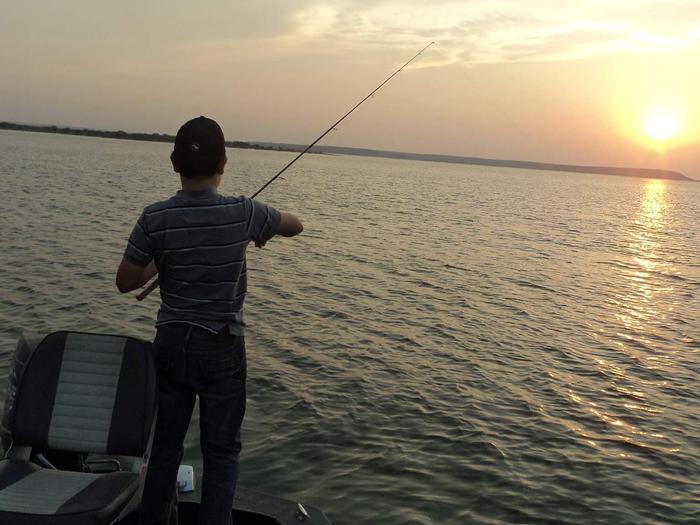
443 344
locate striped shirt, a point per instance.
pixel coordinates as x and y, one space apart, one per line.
198 240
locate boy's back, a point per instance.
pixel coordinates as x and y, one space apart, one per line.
198 240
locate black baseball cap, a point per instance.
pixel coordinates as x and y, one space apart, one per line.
199 146
200 136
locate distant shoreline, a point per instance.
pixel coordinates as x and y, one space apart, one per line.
295 148
124 135
647 173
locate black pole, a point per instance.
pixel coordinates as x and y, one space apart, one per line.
152 286
280 172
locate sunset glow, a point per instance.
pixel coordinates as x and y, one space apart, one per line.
662 125
591 83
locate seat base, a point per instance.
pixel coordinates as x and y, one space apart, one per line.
31 495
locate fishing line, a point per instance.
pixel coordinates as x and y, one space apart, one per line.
339 121
154 283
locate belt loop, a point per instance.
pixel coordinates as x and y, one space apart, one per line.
187 338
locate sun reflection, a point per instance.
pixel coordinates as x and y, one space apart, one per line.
650 221
653 208
640 282
638 303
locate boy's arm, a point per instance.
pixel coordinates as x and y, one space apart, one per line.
131 276
138 265
289 226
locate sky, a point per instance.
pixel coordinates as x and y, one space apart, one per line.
577 82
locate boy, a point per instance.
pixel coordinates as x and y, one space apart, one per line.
196 242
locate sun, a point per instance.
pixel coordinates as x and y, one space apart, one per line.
662 126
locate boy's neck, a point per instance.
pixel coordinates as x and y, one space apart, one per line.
199 184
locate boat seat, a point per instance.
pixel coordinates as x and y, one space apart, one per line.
80 393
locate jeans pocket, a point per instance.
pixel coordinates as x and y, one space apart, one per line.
225 367
168 342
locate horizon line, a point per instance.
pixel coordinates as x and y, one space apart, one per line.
349 150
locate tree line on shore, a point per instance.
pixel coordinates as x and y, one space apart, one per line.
150 137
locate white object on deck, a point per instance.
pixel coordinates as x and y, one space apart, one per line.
185 478
302 515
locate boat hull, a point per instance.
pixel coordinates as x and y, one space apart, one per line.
250 508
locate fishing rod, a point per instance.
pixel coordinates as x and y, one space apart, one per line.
154 284
340 120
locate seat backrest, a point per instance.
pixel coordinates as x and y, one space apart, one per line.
86 393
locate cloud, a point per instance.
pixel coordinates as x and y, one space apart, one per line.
495 31
221 32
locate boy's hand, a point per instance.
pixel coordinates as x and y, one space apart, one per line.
289 225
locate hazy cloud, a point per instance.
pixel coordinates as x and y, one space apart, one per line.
478 31
467 31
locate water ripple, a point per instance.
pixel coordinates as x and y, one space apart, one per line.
439 346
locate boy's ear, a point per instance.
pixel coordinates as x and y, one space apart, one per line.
220 167
172 160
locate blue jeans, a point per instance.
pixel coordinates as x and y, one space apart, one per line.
194 362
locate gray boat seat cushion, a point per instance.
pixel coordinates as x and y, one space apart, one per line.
82 393
87 393
31 495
